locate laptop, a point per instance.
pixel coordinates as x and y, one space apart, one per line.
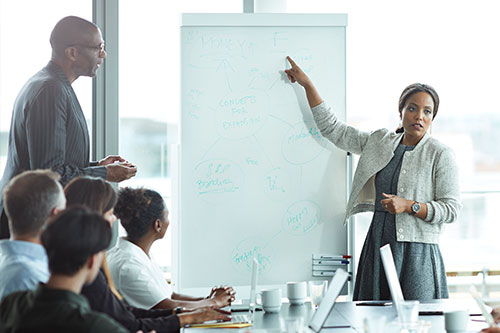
325 308
395 286
251 304
484 311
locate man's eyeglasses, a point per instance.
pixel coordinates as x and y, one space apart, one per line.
99 48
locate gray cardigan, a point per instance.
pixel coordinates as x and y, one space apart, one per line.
429 174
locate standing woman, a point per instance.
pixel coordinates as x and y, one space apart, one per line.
409 180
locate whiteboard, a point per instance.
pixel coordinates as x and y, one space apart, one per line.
256 177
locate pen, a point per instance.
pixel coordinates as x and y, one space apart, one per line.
331 261
326 256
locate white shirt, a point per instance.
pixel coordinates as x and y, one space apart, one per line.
22 265
138 278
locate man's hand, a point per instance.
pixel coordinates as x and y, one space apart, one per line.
496 314
222 296
202 315
117 172
111 159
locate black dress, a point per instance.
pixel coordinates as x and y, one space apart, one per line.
420 266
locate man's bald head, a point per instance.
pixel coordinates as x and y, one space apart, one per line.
71 30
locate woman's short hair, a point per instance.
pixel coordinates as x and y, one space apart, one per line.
416 88
95 193
138 209
73 236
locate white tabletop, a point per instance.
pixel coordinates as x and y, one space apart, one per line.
349 314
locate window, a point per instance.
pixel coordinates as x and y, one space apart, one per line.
396 43
25 49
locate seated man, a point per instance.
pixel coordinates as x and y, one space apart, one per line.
30 199
75 242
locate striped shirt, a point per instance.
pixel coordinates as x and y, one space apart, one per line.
48 130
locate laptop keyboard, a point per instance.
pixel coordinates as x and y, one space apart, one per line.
240 318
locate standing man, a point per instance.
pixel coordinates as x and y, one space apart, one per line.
48 128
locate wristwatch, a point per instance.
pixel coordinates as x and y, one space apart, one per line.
177 310
415 208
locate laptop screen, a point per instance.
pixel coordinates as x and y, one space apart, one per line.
253 286
326 306
392 276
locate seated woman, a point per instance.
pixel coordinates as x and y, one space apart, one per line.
99 195
144 216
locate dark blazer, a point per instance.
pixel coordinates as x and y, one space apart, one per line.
48 131
53 310
102 299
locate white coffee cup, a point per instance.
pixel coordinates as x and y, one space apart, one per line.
374 324
456 321
296 292
271 300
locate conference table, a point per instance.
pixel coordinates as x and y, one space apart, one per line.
348 317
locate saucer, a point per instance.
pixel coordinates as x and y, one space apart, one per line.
272 309
297 301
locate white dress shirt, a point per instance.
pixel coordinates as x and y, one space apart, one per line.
22 266
138 278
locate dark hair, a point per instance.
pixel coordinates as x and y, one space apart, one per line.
70 30
138 209
29 199
95 193
72 237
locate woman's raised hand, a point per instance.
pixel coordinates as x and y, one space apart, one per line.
296 74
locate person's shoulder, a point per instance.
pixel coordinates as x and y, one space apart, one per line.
14 302
125 253
438 146
383 134
22 275
51 87
45 80
98 287
119 257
